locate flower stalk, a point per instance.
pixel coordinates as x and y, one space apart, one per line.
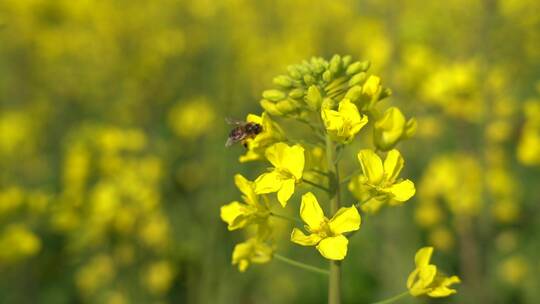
393 299
334 282
300 264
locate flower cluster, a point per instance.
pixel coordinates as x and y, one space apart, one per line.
335 100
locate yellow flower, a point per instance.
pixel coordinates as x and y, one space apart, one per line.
372 86
391 128
288 167
251 251
193 118
380 181
237 214
344 123
426 280
326 234
271 134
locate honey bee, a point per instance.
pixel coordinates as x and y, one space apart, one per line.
242 131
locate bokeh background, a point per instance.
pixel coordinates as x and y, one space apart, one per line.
113 166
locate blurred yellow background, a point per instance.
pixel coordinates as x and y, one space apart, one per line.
113 165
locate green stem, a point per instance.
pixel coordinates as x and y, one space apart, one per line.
287 218
393 299
315 185
334 282
300 264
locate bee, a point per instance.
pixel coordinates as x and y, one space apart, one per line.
242 131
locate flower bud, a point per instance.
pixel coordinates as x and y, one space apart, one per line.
270 107
354 93
273 95
335 64
372 86
293 72
283 81
308 79
357 79
327 76
296 93
354 68
313 98
286 106
391 128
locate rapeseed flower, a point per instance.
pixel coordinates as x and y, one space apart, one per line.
288 164
427 280
252 251
343 124
391 128
326 234
238 215
379 182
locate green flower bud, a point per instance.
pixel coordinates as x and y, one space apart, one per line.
357 79
335 64
313 98
286 106
410 128
354 93
296 93
270 107
364 65
347 60
294 73
309 80
273 95
354 68
327 76
283 81
385 93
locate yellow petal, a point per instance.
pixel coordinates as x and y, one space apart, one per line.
393 165
371 165
294 161
345 220
420 279
403 191
246 187
268 183
423 256
254 118
332 119
372 85
275 154
389 129
334 248
234 214
298 237
310 211
286 191
442 289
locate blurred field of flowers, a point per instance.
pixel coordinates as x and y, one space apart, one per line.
113 165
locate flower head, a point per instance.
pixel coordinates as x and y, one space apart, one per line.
271 134
252 251
426 279
239 215
391 128
379 182
344 123
326 234
288 162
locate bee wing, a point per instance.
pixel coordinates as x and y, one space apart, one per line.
234 122
229 142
